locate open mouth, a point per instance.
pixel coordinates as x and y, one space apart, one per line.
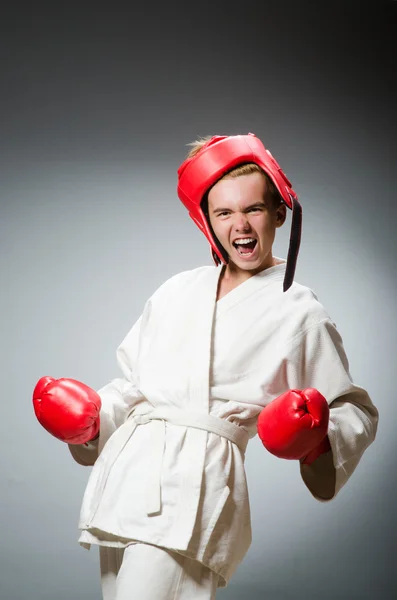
245 247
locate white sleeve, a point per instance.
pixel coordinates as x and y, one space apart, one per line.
118 397
319 360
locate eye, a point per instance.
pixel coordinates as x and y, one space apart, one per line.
255 209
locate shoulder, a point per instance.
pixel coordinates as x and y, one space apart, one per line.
181 280
304 307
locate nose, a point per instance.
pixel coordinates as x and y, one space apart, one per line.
241 222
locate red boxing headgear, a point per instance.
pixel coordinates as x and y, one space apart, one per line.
221 154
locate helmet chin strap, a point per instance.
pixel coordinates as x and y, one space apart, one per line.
294 243
215 257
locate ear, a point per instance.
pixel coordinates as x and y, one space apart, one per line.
281 215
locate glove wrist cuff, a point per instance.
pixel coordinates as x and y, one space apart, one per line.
322 448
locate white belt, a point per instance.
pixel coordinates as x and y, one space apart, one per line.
158 417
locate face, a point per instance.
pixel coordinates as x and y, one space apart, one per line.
242 223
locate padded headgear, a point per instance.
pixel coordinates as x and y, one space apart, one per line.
218 156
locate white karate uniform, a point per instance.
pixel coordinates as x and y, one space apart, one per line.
152 573
197 372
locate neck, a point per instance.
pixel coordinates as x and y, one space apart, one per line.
233 273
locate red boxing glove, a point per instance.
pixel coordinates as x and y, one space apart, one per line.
294 425
68 409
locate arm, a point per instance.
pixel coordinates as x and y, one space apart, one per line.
318 360
117 397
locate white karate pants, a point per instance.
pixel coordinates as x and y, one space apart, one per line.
145 572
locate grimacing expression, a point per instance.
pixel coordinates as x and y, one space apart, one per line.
242 221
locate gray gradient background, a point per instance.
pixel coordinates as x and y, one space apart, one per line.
97 106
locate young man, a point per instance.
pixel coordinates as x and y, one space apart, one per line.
218 355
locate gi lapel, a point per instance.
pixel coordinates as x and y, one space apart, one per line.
201 300
204 302
256 283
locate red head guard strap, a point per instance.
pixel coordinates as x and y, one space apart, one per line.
221 154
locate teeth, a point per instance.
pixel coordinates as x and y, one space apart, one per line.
244 241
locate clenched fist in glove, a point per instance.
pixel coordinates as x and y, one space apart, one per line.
68 409
295 425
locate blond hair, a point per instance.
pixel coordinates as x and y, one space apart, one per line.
273 199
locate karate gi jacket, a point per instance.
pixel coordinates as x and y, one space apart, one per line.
168 467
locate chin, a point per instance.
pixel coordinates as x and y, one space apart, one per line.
255 265
245 265
249 266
